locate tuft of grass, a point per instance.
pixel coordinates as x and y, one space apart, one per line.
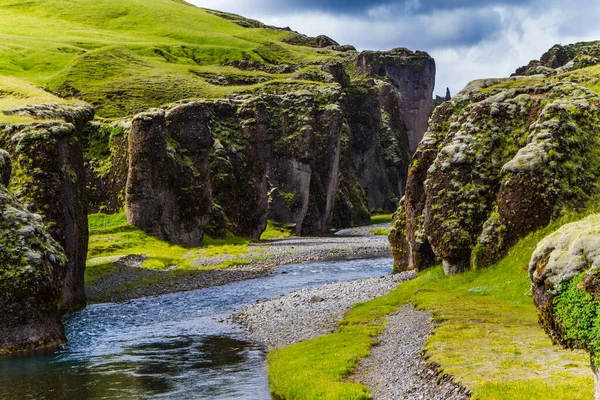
487 337
275 231
381 219
380 232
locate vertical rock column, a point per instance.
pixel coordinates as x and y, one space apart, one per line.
32 268
168 192
50 181
413 75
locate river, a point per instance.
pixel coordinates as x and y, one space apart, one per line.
177 346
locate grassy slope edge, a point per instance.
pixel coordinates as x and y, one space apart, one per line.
125 56
487 337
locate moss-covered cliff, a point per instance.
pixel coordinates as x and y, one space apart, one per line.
32 269
501 159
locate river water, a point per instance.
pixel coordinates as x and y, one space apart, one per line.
177 346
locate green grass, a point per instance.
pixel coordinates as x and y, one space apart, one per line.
275 231
380 232
381 219
487 337
124 56
111 237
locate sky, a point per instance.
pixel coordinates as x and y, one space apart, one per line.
469 39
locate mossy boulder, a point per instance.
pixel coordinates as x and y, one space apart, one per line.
32 269
168 191
496 163
49 179
565 275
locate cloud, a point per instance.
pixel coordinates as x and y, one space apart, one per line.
469 39
373 8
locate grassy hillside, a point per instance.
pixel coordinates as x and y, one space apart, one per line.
123 56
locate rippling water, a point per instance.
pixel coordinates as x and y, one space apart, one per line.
177 346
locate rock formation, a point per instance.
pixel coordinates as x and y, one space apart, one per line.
413 75
499 160
564 271
168 190
49 180
32 268
563 58
311 155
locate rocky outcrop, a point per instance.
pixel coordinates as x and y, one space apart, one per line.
380 149
168 193
413 76
564 271
496 163
49 180
563 58
240 163
32 268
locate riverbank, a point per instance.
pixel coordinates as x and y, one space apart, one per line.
128 280
395 369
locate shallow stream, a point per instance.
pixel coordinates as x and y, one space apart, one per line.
177 346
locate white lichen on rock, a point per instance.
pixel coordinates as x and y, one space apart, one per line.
571 250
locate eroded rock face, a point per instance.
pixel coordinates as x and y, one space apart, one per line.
564 271
309 155
32 268
240 163
168 191
493 166
106 161
49 180
413 75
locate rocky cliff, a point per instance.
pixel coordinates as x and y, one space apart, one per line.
499 160
32 268
312 155
413 75
168 190
49 179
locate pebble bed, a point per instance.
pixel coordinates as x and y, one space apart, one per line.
396 368
309 313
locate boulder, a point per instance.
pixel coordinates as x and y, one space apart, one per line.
32 269
564 272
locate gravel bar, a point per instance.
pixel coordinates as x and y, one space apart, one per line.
309 313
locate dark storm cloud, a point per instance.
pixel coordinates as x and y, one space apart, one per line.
403 7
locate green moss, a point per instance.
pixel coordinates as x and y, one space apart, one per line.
275 231
578 313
